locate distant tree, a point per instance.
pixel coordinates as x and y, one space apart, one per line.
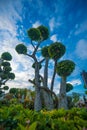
5 71
75 97
64 69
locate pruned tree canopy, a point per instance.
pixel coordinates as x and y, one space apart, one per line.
65 68
69 87
44 51
6 56
56 50
21 49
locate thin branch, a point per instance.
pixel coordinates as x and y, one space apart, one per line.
32 44
31 81
42 61
36 48
53 77
29 55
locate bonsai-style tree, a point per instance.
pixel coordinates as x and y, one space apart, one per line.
56 51
5 71
64 69
47 96
36 35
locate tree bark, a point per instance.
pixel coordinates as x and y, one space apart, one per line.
48 100
37 104
53 78
45 84
62 94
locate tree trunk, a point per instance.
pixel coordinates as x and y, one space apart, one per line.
62 94
45 84
37 104
53 78
48 100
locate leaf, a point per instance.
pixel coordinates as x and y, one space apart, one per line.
21 127
33 126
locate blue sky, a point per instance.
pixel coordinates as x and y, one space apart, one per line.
66 21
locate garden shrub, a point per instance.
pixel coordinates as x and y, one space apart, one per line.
16 117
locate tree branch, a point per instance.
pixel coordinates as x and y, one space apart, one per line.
53 78
36 48
42 61
31 81
32 44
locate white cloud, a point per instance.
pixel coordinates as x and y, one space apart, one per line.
82 28
53 38
52 24
36 24
21 65
9 14
75 82
81 49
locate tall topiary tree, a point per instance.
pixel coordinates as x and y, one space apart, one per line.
36 35
5 71
64 69
56 51
47 96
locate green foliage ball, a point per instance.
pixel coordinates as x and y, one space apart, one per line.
65 68
5 87
44 32
21 49
7 69
11 76
6 56
13 90
4 76
44 52
5 64
69 87
56 50
34 34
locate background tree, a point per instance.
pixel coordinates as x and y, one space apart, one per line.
69 87
5 71
64 69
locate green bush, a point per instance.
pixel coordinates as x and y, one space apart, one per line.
15 117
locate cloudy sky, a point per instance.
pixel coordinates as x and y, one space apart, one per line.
66 21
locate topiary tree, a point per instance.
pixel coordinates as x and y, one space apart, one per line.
38 35
48 100
56 51
64 69
5 71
